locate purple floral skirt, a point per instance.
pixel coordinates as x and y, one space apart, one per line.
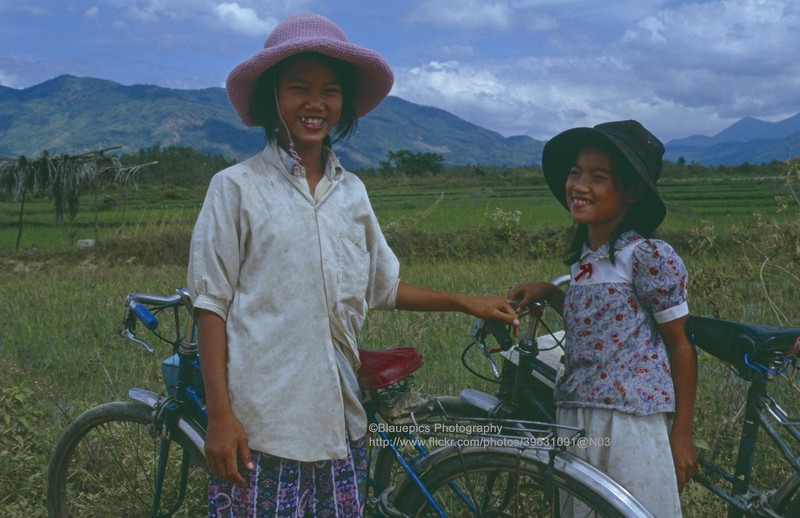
289 488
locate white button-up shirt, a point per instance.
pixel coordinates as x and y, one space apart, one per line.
293 276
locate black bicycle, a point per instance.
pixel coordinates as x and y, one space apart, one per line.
759 354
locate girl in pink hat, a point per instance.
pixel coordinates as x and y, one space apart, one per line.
286 258
630 373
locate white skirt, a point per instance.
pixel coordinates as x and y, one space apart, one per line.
633 450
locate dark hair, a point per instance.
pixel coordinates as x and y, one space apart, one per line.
263 105
626 179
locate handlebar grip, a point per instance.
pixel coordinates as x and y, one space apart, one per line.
144 315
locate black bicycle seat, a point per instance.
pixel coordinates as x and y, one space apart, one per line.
740 343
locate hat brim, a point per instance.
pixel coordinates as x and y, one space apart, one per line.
373 83
558 157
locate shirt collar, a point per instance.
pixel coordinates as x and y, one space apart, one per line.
333 168
602 251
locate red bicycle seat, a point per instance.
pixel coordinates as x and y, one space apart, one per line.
382 368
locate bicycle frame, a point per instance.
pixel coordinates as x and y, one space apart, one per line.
387 441
760 412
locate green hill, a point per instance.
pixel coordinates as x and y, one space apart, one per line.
70 114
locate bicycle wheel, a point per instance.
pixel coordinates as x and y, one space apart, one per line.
387 470
499 482
104 465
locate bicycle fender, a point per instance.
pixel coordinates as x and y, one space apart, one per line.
564 462
192 431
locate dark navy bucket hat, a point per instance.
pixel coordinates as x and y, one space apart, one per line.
640 148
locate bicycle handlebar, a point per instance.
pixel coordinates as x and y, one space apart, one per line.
143 314
501 331
136 308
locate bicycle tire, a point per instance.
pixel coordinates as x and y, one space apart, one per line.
386 469
104 465
506 482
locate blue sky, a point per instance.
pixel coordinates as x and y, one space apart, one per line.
533 67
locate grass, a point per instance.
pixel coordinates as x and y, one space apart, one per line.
59 353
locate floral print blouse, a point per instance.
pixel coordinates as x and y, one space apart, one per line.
615 356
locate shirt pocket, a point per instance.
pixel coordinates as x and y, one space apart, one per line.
353 272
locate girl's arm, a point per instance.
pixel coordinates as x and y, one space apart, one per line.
526 293
683 362
417 298
225 440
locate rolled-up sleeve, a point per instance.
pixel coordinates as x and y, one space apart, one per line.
382 290
214 257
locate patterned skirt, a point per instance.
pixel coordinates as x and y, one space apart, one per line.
289 488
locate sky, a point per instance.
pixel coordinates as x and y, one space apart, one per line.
517 67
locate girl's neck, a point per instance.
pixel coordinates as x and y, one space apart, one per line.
597 237
312 158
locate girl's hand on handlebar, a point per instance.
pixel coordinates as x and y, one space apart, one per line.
225 446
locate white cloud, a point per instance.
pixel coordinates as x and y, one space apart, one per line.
92 13
244 19
464 14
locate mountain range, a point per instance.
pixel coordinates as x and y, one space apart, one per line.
69 114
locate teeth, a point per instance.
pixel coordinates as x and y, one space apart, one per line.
309 120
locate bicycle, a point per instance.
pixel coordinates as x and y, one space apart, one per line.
757 353
146 457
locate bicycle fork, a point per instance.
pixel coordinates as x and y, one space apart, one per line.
167 423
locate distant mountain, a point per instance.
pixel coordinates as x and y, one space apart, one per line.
397 124
70 114
748 140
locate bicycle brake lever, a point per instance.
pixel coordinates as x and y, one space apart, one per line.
126 333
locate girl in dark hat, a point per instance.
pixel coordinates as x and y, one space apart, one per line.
286 258
630 373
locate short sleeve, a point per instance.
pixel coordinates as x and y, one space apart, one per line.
214 257
660 279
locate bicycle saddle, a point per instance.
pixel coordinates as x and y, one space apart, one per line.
380 369
741 343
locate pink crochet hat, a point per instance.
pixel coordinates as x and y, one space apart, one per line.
310 33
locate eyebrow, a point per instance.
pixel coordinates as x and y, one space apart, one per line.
301 79
593 169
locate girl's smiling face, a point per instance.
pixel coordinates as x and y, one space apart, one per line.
309 101
595 196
